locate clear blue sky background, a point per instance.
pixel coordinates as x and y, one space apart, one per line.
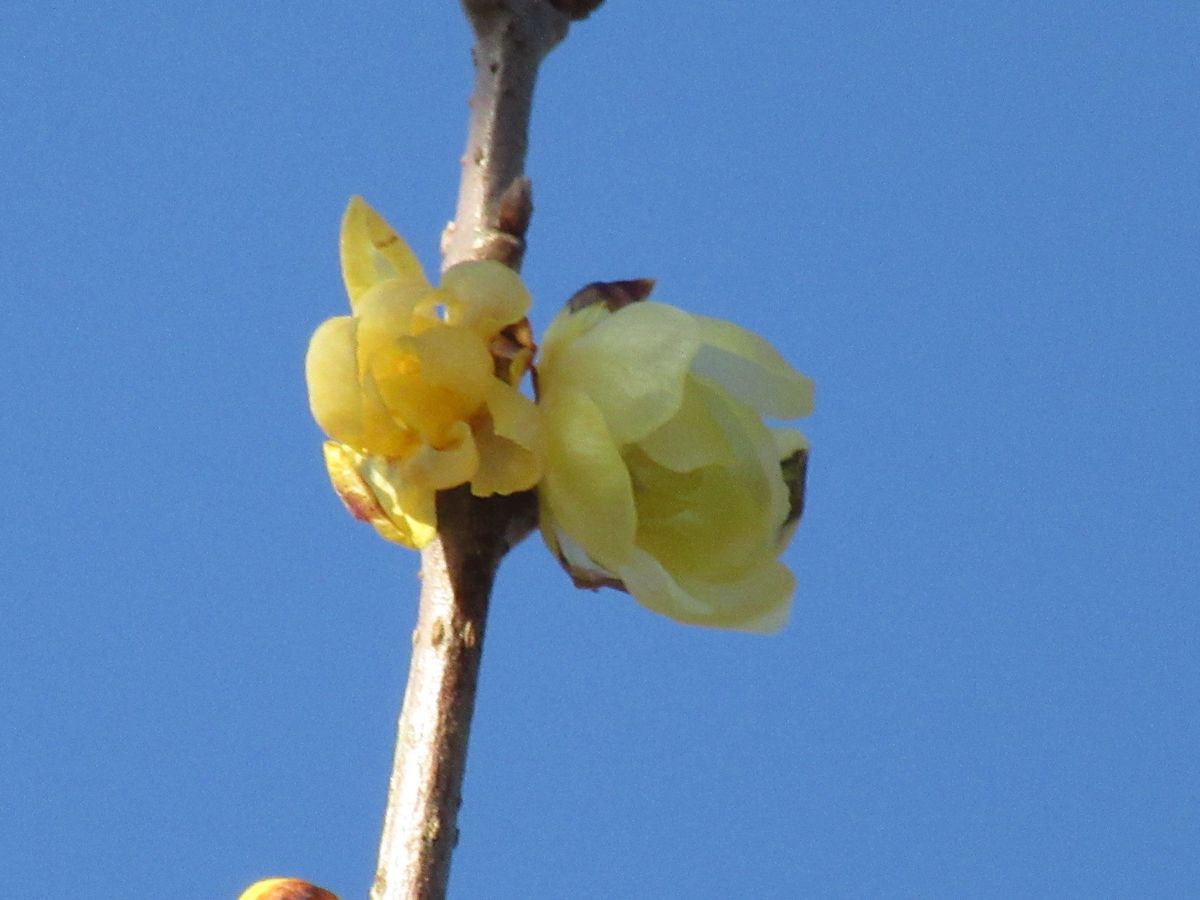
974 224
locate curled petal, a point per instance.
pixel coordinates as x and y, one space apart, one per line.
505 466
757 602
372 253
484 296
410 507
508 442
434 380
751 369
514 416
456 358
373 492
439 468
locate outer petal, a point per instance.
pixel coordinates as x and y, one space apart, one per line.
757 602
410 507
485 296
331 369
372 252
655 588
586 487
348 410
584 571
633 364
751 369
374 494
559 340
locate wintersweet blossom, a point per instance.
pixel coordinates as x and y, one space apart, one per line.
660 476
416 387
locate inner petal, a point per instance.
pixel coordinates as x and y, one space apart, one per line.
710 523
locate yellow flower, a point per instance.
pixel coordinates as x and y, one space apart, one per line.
659 474
416 386
285 889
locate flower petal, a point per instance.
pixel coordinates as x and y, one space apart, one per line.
485 296
331 370
751 369
434 380
757 602
633 364
585 487
382 312
691 438
505 467
373 493
410 507
788 441
708 522
654 588
514 416
372 253
754 448
445 467
584 570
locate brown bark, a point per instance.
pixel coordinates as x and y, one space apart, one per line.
458 568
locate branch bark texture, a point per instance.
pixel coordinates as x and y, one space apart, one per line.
458 568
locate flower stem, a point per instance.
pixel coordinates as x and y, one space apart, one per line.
457 569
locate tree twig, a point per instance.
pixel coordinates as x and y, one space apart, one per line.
457 569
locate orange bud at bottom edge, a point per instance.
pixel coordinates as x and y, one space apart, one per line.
285 889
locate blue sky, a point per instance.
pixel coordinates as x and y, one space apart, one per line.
974 224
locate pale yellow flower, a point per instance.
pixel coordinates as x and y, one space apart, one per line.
416 385
659 473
